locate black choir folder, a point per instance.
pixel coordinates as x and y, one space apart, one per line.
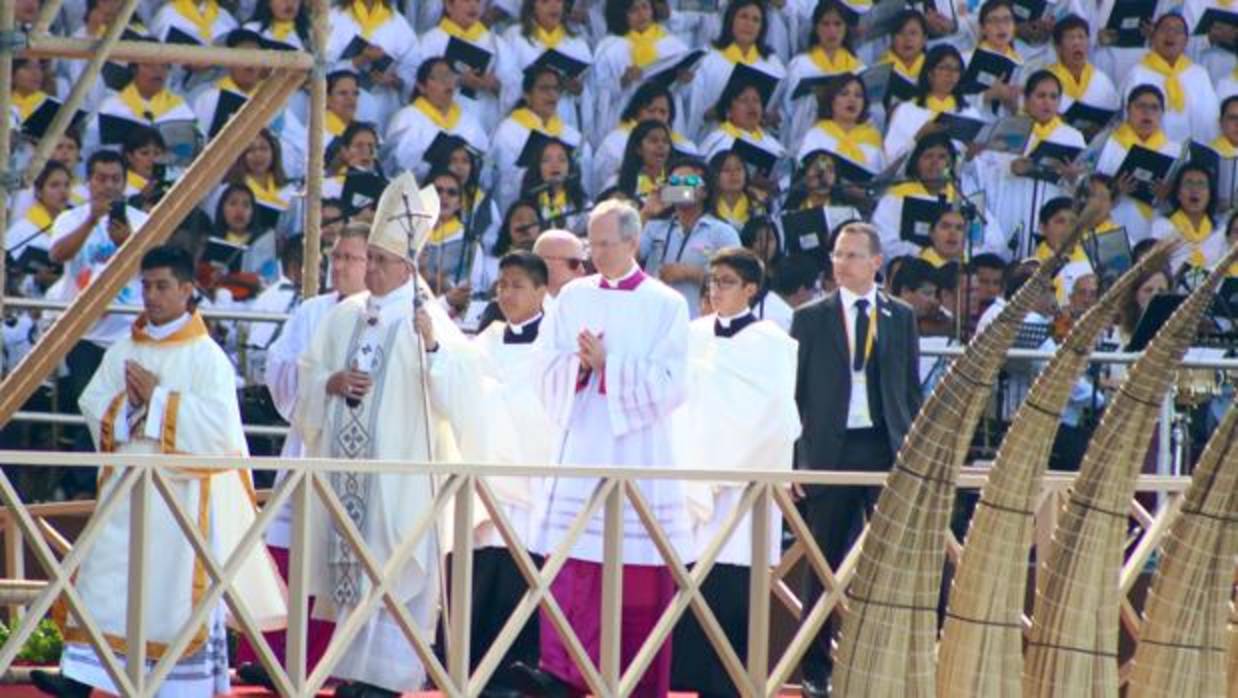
918 218
567 66
807 232
665 71
357 45
229 103
1148 167
36 124
759 158
533 146
223 253
1087 117
1157 314
960 127
1215 15
986 69
743 76
1127 19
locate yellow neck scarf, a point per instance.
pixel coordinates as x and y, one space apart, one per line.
241 238
1041 132
645 44
1008 52
847 143
938 106
40 217
552 205
266 192
1126 137
1075 89
843 61
370 20
472 34
1222 145
203 19
930 255
446 231
551 38
149 110
526 118
735 54
26 105
280 29
228 84
734 131
445 122
646 185
1175 95
1195 237
911 72
335 125
135 180
734 214
1044 252
1107 225
916 190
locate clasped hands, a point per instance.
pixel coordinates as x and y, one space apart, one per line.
592 351
140 383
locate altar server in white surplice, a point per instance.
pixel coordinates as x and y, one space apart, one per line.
614 352
739 414
168 388
1190 99
385 366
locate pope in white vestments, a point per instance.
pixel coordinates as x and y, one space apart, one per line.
362 396
614 351
169 388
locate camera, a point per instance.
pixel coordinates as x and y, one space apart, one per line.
680 190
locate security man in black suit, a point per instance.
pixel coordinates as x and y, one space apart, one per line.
858 389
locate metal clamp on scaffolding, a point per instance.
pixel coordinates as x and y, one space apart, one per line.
13 41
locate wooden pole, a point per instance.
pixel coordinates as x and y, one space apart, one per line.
47 15
6 101
152 52
310 263
81 88
91 304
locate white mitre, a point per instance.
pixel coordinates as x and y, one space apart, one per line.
404 217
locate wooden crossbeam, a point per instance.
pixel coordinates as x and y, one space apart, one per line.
152 52
92 302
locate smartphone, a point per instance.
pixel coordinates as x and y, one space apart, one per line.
678 194
117 212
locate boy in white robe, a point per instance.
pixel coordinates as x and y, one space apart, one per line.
739 413
613 355
168 388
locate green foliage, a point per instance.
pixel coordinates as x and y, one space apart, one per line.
42 647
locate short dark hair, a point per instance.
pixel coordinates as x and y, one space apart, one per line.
49 169
793 273
527 262
987 260
1034 80
1145 89
1232 99
989 7
1066 24
742 261
139 137
1054 206
868 230
176 259
104 157
912 274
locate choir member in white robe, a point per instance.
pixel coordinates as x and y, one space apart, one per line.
537 112
479 85
383 380
34 227
347 271
1214 49
938 92
741 42
202 20
636 48
828 55
146 101
1082 82
1117 61
739 414
511 356
651 102
1192 220
844 130
1144 106
615 353
388 36
540 30
434 110
1016 186
1190 101
97 20
168 388
743 112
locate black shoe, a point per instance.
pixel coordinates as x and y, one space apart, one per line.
357 689
531 681
59 685
255 674
815 689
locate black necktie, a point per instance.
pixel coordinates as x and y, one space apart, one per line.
861 334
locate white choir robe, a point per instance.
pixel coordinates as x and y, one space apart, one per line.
514 368
91 138
1017 200
645 332
31 230
739 414
169 16
1227 86
298 102
773 308
1198 118
522 51
888 218
389 423
288 129
410 134
817 139
505 151
1212 247
280 378
192 411
484 106
608 159
1100 93
1130 213
396 38
719 140
799 115
73 69
613 57
712 74
1217 60
906 121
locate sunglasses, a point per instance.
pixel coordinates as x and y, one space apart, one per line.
572 263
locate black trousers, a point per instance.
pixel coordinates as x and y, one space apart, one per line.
82 361
695 666
835 515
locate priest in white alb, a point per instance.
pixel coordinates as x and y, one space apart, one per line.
387 376
614 353
167 388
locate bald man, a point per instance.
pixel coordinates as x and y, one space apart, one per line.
564 254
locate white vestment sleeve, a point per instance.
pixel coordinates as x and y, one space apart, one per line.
642 389
558 369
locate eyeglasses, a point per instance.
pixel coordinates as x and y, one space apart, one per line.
447 191
572 263
724 282
341 257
